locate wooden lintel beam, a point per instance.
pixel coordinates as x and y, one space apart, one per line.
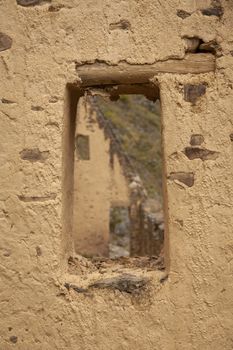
124 73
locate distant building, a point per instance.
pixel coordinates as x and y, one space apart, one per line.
104 180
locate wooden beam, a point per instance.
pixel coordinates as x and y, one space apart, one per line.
100 73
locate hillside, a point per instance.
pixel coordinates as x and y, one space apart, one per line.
136 122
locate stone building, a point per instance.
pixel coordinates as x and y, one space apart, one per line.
51 53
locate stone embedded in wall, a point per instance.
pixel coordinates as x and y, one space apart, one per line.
210 46
74 287
38 251
193 92
127 283
53 99
196 140
34 155
123 24
37 108
192 44
28 199
13 339
5 42
215 10
231 137
187 178
183 14
55 8
196 45
200 153
164 279
211 11
5 101
7 253
27 3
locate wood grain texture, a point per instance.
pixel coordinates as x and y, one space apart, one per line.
103 74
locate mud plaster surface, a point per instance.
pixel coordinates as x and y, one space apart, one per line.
192 309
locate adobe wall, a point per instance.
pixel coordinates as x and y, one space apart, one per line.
192 307
98 185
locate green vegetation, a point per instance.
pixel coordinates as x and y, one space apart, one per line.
136 123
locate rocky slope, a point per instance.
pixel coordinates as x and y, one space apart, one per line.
136 123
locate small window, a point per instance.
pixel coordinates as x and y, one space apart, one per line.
82 147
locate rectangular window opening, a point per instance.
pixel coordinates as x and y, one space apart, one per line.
116 182
82 147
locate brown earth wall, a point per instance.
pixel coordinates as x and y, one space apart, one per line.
189 305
